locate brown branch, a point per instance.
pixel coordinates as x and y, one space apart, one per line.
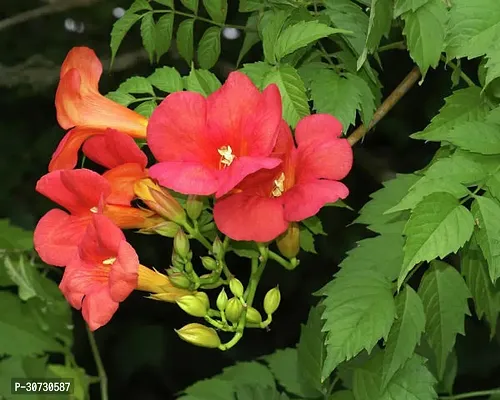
52 8
387 105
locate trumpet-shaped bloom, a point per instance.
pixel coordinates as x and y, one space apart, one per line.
83 193
208 145
81 108
265 203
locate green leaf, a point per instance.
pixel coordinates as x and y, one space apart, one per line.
20 367
14 238
444 295
487 214
148 35
168 3
306 239
257 72
120 29
475 136
347 15
425 31
80 381
139 5
24 275
486 296
314 225
311 354
473 28
166 79
136 85
271 24
251 392
191 4
251 36
300 35
21 335
492 65
250 5
163 34
359 311
438 226
379 25
286 369
412 381
201 81
402 6
342 395
217 9
463 105
121 98
245 249
293 93
209 47
185 40
493 185
405 334
146 108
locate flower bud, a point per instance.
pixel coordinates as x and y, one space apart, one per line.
222 300
253 316
181 244
217 248
203 297
194 206
272 300
289 243
236 287
177 261
234 308
209 263
199 335
192 305
180 280
167 229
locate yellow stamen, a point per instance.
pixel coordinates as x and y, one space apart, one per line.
94 210
109 261
227 156
279 186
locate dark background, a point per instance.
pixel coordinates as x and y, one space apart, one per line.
142 354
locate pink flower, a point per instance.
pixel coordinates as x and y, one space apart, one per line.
266 202
207 146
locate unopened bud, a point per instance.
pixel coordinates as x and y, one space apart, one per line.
180 280
209 263
194 206
178 261
181 244
272 301
170 296
203 297
199 335
234 308
192 305
236 287
289 242
253 316
222 300
217 248
167 229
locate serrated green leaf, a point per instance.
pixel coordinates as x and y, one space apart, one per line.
245 249
80 382
438 226
163 34
201 81
148 35
425 31
462 106
251 392
250 5
487 214
306 239
270 24
475 136
473 28
493 185
286 369
217 9
209 47
166 79
293 93
20 367
444 295
314 225
402 6
251 37
168 3
139 5
359 311
492 65
342 395
185 40
24 275
14 238
136 84
486 296
121 98
146 108
191 4
405 333
257 72
347 15
120 29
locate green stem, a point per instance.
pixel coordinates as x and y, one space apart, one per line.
392 46
147 98
209 21
463 75
469 395
280 260
101 372
195 233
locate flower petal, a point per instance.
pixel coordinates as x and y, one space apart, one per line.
76 190
244 217
127 217
305 199
101 240
239 169
98 308
317 127
113 149
123 276
57 236
86 62
177 129
122 180
185 177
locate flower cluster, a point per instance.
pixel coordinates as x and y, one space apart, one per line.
232 147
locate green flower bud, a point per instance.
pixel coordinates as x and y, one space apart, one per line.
199 335
181 244
194 206
236 287
203 297
253 316
272 300
180 280
289 243
167 229
222 300
217 248
234 309
177 261
192 305
209 263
